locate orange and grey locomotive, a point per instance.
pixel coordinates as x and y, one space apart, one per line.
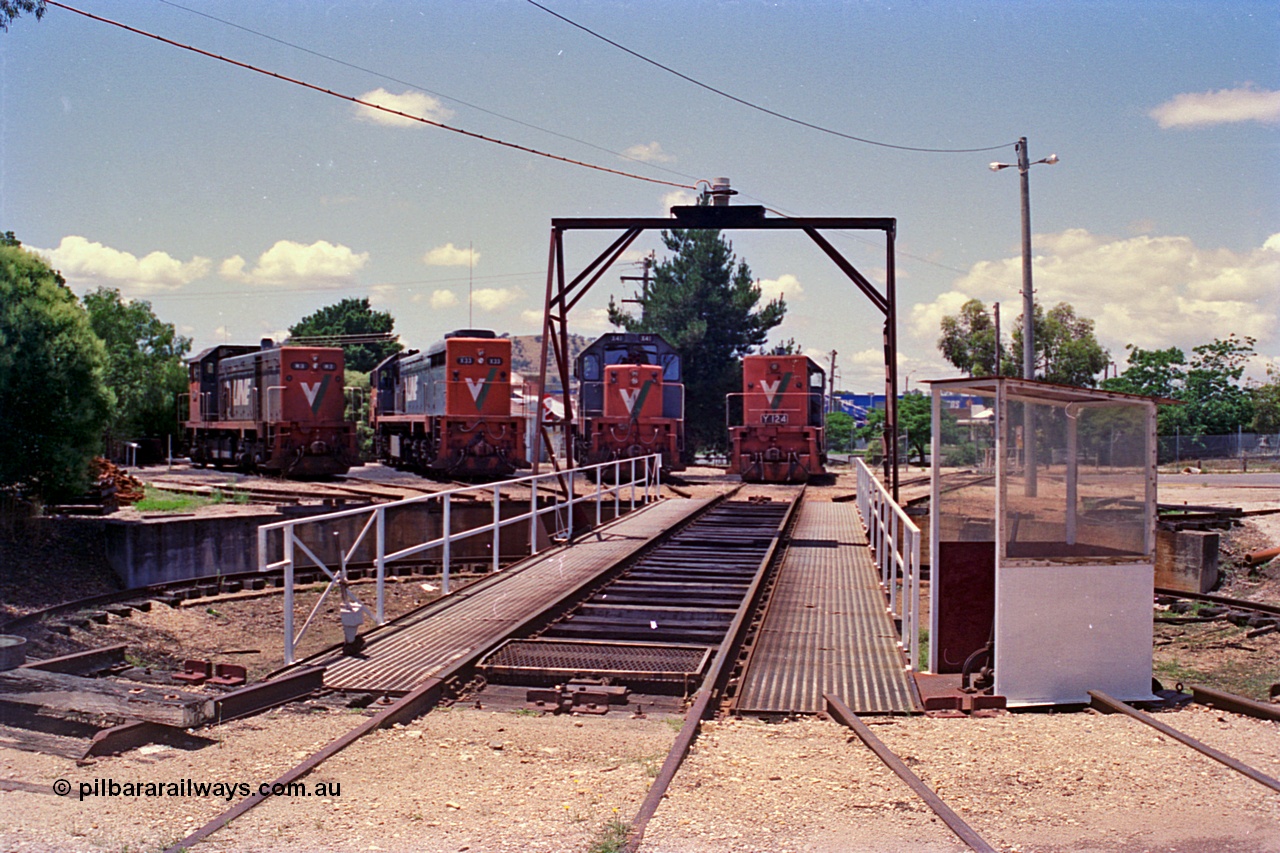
272 409
447 411
781 436
630 400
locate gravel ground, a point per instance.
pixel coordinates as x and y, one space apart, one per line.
460 779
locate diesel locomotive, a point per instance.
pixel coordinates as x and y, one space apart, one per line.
630 400
447 411
274 409
780 439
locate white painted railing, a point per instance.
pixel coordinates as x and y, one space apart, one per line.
895 540
633 480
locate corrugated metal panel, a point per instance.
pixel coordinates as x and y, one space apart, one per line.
402 655
827 630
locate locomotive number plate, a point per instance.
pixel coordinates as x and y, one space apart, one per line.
773 418
466 359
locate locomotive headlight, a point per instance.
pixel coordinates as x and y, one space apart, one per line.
773 366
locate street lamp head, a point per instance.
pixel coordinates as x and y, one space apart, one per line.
1050 160
995 167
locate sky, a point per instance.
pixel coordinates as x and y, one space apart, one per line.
237 203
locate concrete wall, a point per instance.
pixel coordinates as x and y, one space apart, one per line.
161 550
170 549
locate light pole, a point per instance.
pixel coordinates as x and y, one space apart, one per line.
1024 165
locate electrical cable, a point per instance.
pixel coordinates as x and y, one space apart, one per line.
420 88
754 106
369 104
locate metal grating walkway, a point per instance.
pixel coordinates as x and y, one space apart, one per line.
402 655
827 630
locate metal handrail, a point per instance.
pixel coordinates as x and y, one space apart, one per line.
633 479
895 540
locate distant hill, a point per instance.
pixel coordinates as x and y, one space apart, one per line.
526 351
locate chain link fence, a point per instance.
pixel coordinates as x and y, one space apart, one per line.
1231 452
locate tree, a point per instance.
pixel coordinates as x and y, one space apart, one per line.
11 9
704 302
1266 404
1207 385
915 422
839 434
968 341
53 401
1216 403
351 318
1066 350
145 367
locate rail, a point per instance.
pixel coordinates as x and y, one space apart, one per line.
895 540
638 478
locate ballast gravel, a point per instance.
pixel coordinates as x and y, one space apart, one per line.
460 779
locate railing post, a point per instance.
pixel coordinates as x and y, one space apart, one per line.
288 595
497 526
380 557
633 484
447 546
533 519
894 554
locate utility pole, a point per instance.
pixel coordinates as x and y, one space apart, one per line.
1024 165
999 348
831 378
647 263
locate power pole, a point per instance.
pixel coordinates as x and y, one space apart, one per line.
999 348
647 263
831 377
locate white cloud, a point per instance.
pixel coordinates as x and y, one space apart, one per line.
410 103
83 262
494 299
322 264
677 198
786 286
442 299
649 153
449 255
1154 292
381 294
1224 106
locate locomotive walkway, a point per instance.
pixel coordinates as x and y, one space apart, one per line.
400 656
826 629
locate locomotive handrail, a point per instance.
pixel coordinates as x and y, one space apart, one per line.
636 479
895 539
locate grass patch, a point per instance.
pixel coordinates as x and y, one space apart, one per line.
159 500
611 838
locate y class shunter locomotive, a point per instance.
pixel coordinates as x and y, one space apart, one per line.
780 439
630 400
447 411
275 409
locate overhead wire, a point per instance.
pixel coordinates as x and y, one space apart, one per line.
369 104
756 106
421 88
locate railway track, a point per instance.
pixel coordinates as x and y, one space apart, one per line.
694 547
699 591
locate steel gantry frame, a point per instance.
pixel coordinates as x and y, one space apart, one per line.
563 295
